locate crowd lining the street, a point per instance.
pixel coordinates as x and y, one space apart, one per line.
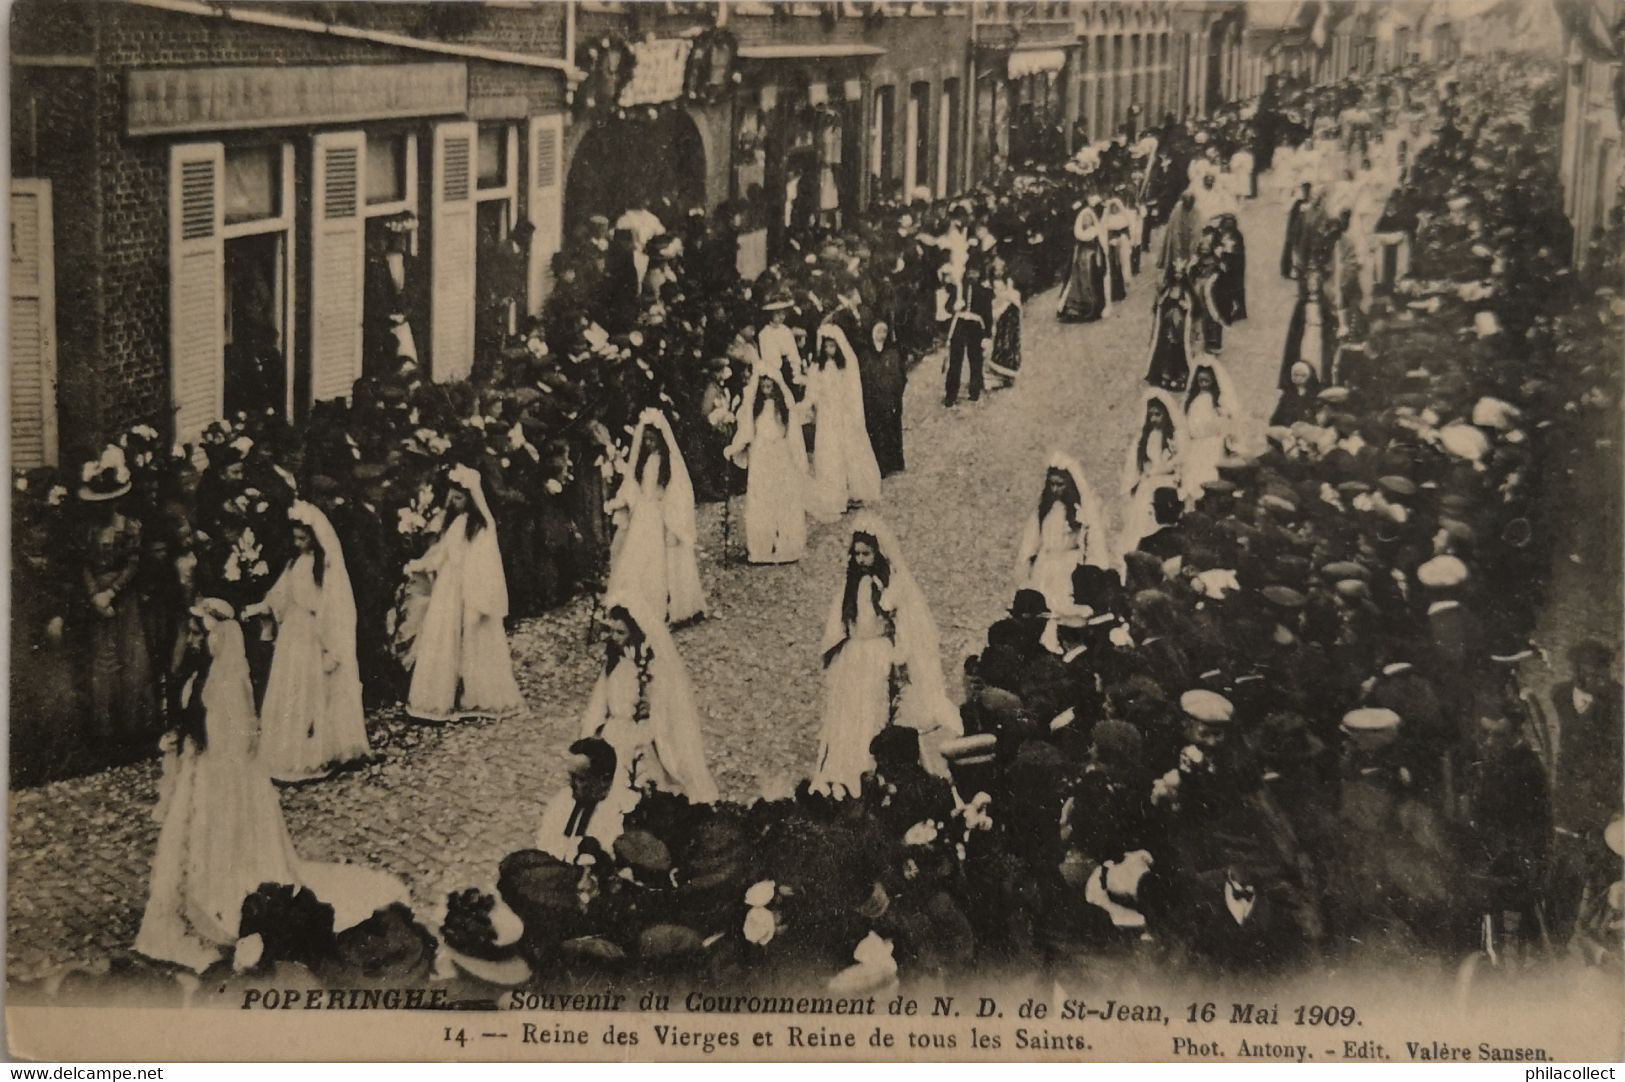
1278 718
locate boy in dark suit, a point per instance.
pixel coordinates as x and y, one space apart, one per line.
970 324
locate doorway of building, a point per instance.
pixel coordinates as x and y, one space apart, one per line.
623 162
256 371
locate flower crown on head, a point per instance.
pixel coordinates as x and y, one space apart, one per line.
212 610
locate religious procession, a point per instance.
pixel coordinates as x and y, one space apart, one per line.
1017 579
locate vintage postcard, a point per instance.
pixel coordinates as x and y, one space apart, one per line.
746 530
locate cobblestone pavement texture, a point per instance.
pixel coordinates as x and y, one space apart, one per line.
442 806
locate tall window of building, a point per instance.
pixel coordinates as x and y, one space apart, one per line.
499 261
883 141
917 145
948 140
258 234
391 323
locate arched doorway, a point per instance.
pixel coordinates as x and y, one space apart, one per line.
622 162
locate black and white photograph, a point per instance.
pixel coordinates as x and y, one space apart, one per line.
856 530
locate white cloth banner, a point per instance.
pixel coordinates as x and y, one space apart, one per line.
658 74
1034 61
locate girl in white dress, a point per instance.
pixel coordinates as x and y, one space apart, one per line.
222 832
1154 460
643 705
312 720
655 553
882 663
769 444
1065 532
1211 414
844 467
461 666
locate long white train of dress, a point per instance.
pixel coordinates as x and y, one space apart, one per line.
223 835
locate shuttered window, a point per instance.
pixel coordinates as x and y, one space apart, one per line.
196 286
545 208
337 270
451 259
33 326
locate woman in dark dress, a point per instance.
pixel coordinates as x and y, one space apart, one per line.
884 378
1311 334
1205 278
1122 245
1083 292
1169 367
122 691
47 717
1005 362
1299 401
1232 270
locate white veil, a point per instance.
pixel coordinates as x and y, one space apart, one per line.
851 380
1230 403
336 615
485 587
738 450
229 719
679 502
1176 414
678 741
924 704
1096 549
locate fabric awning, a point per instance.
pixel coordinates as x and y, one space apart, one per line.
808 52
1027 62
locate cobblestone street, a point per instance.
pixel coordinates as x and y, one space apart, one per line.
442 806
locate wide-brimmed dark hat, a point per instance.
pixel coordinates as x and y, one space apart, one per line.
895 744
480 936
1029 604
647 856
389 945
1097 587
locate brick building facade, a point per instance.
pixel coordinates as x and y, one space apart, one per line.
207 194
212 170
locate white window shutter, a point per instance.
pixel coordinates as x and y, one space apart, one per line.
545 138
451 262
337 254
33 326
197 286
944 126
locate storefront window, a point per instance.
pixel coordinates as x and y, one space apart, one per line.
493 156
258 284
253 183
386 168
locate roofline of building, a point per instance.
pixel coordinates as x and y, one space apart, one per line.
252 17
